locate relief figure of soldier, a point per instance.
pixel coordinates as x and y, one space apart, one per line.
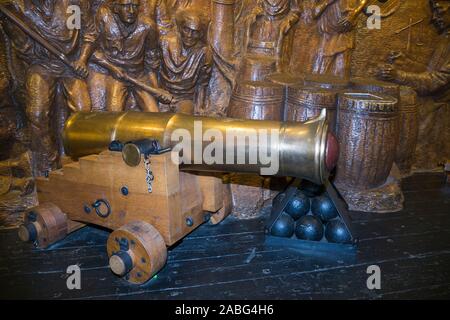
186 61
269 31
46 73
336 22
125 45
433 83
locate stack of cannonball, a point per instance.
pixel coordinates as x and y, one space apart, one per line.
310 215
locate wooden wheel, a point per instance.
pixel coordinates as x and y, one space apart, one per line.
225 211
136 251
44 225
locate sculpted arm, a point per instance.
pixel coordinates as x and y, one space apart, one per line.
152 55
320 8
427 82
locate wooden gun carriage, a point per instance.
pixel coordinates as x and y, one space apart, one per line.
103 190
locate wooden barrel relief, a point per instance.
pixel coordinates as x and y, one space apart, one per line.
257 101
375 86
368 132
326 81
409 129
286 80
304 103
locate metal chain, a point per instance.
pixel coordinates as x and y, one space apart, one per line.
149 177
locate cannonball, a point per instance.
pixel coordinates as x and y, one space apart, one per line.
324 208
284 226
311 189
309 228
336 231
298 206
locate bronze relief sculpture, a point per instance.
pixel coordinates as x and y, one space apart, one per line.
433 81
266 49
336 22
266 43
45 72
187 61
126 48
268 33
283 60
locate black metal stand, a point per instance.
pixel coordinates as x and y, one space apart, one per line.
321 248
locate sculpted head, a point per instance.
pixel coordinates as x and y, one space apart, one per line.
276 7
127 10
441 14
192 26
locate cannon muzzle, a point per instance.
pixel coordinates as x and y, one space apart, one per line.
303 150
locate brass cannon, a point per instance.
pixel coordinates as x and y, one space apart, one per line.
131 176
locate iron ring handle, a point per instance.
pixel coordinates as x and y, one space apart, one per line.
98 204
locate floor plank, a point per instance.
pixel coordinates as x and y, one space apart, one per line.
232 260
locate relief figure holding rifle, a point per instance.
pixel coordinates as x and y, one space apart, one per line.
125 59
55 61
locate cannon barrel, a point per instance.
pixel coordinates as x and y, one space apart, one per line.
303 150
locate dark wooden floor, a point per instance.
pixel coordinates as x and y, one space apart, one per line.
231 261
